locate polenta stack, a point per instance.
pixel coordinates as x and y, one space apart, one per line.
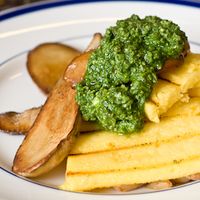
168 149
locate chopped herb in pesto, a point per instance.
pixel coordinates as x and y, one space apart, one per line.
123 70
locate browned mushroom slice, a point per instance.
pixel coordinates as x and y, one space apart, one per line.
160 185
51 137
94 42
45 69
46 63
181 180
126 188
194 177
18 123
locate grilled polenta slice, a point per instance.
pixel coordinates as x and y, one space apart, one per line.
140 156
102 179
183 78
186 75
184 108
152 111
163 96
167 150
168 128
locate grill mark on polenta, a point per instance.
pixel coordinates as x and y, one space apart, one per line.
158 142
163 117
151 100
161 78
174 162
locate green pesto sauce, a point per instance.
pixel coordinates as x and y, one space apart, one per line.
122 71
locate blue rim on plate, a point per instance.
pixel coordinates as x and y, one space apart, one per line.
10 13
51 4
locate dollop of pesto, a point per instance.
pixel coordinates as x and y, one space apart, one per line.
122 71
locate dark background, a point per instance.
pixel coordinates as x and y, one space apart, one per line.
5 4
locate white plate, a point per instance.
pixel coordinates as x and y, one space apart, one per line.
73 24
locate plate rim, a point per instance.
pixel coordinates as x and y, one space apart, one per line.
21 10
33 7
8 172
